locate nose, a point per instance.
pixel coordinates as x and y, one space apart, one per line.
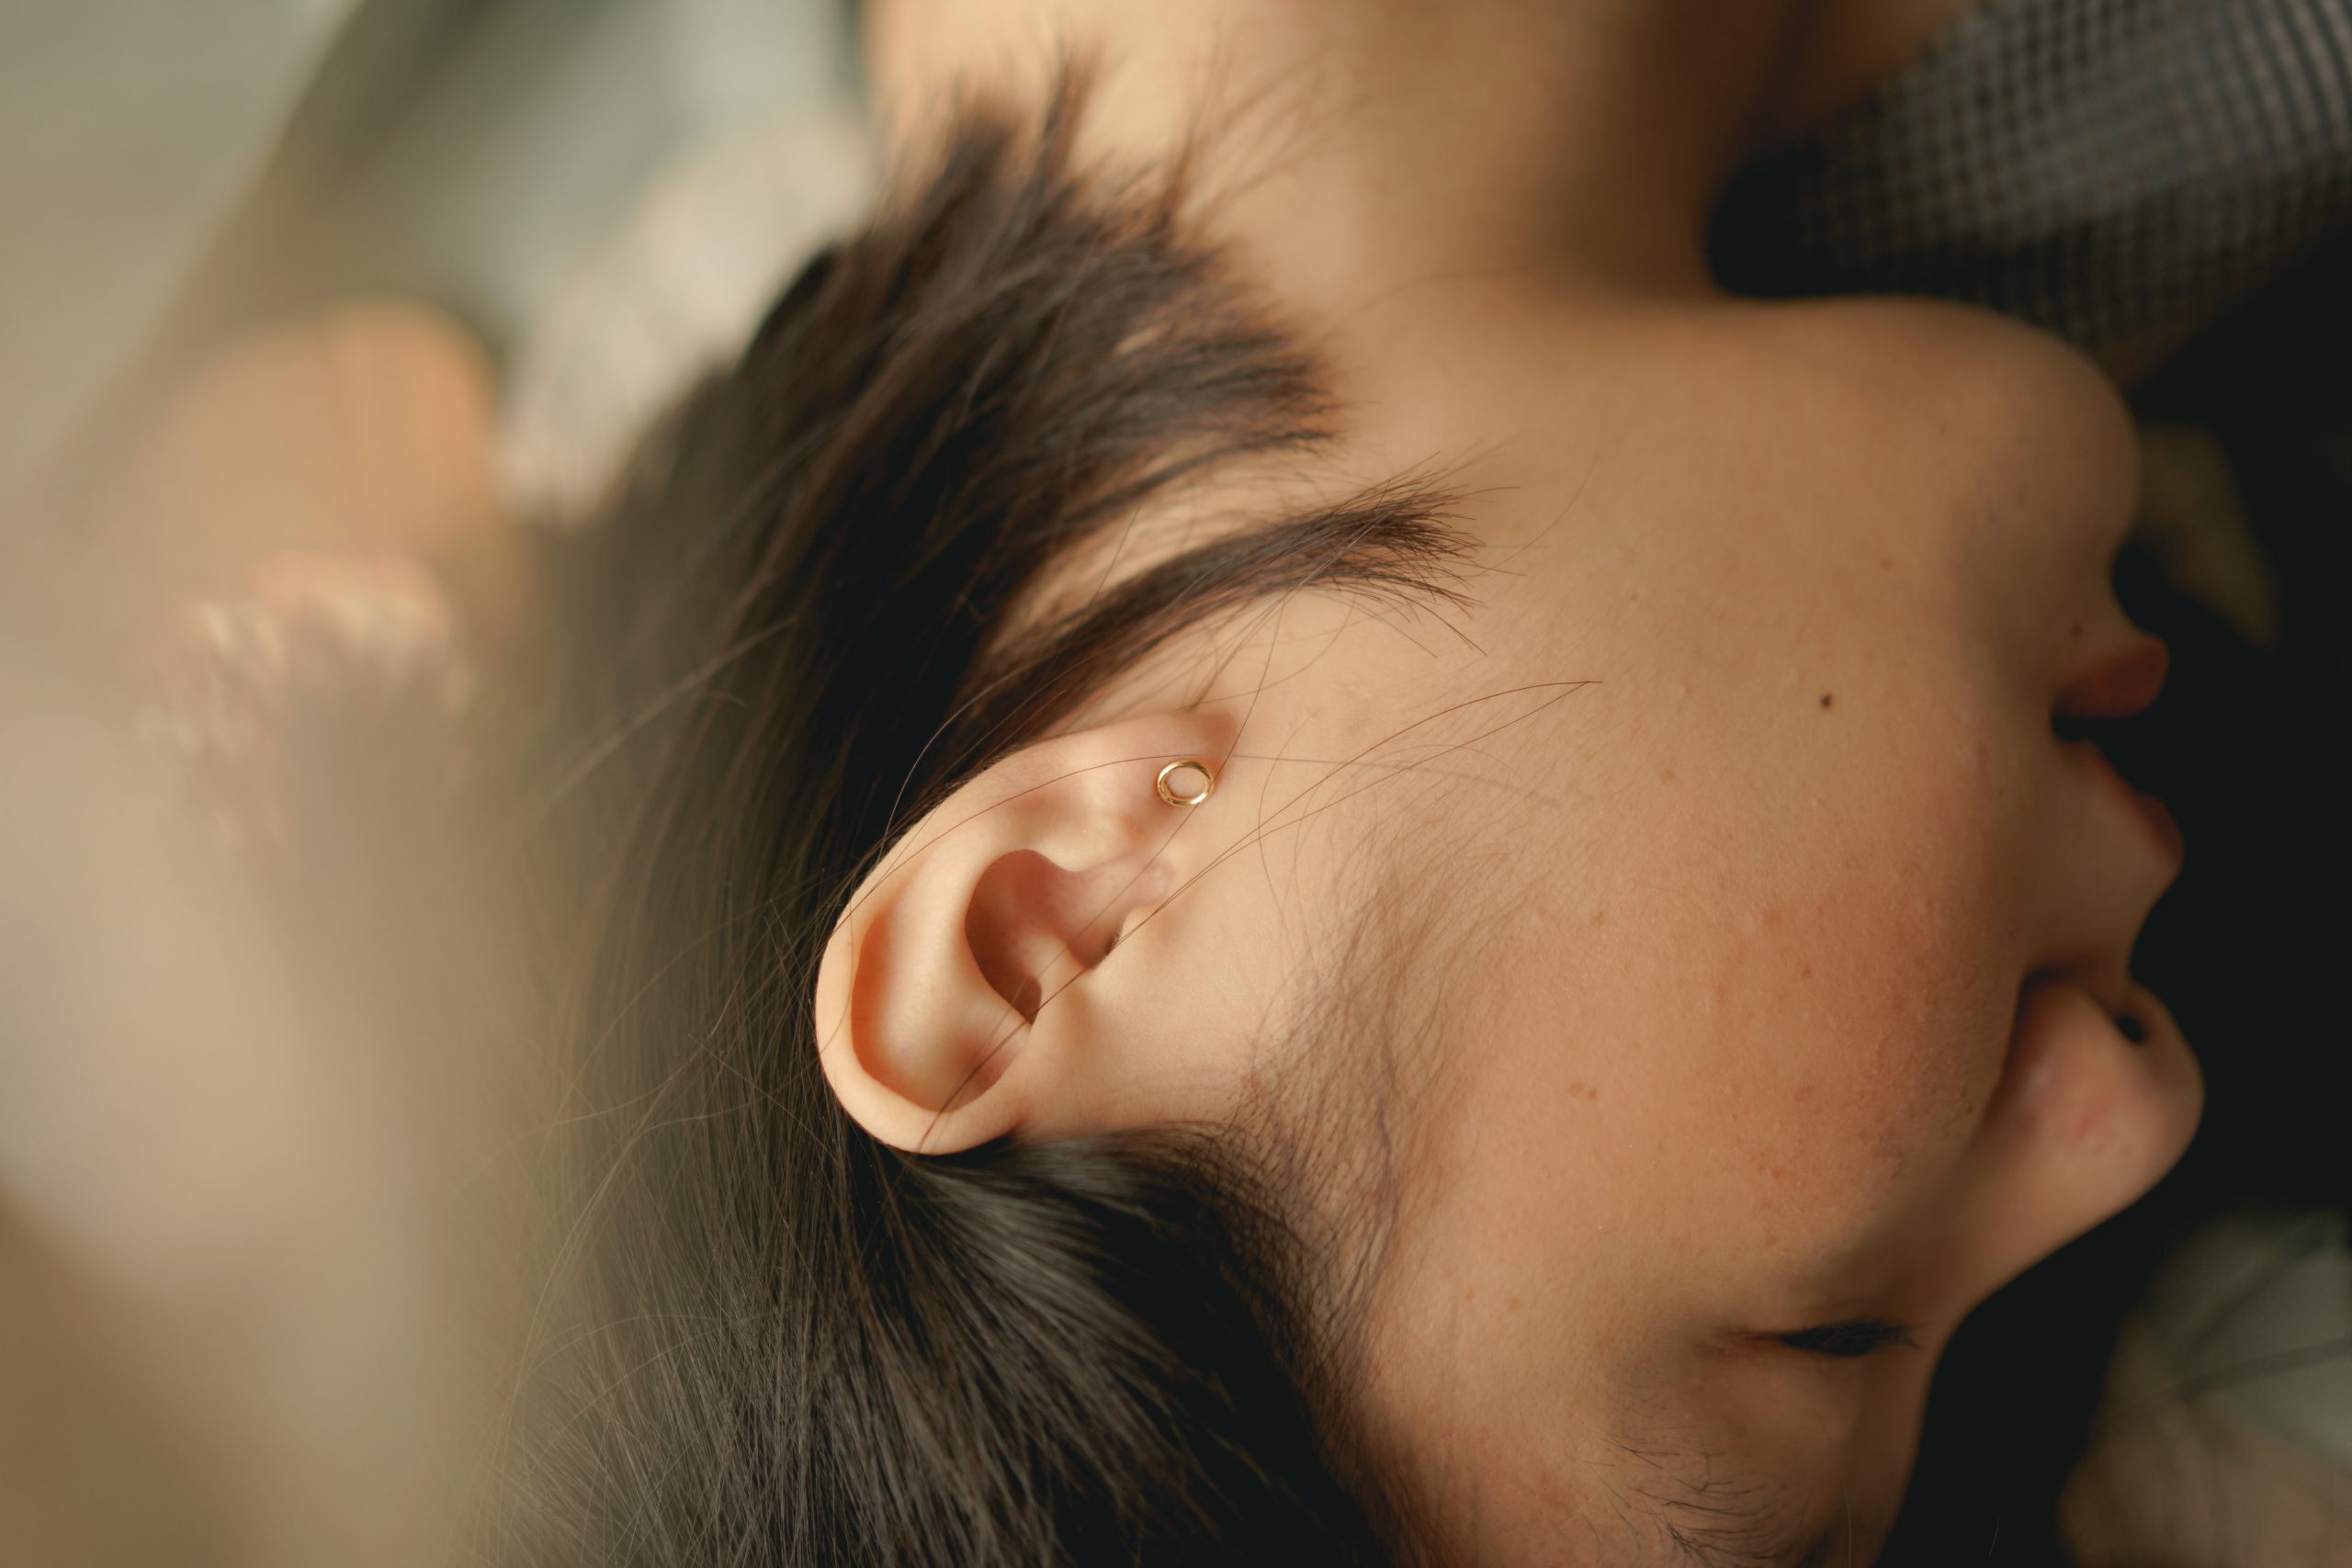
2089 1115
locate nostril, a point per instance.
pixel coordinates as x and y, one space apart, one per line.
2130 1028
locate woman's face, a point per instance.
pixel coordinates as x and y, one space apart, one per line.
1775 961
1738 950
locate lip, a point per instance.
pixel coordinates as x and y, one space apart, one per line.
2122 683
2163 831
2125 683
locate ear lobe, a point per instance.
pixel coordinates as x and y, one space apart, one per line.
951 1000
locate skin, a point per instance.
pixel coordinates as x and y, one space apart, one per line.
1771 942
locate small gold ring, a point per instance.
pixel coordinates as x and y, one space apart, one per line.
1209 782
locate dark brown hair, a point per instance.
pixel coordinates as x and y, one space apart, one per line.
785 1342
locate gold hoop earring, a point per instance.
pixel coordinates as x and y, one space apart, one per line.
1209 782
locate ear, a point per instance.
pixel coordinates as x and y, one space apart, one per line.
952 999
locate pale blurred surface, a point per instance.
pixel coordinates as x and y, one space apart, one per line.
230 1326
132 130
277 277
172 167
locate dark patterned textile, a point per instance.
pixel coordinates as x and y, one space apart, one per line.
2118 171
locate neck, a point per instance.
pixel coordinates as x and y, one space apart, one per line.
1370 149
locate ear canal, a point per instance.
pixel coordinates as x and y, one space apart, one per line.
1033 927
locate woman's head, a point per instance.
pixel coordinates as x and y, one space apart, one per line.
1645 940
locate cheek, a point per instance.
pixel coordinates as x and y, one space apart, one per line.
1871 1052
1797 1098
1858 996
1760 990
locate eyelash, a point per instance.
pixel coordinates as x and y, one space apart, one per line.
1851 1340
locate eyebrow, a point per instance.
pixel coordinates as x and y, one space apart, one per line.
1715 1522
1808 1550
1708 1547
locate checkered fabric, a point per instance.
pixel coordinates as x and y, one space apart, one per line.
2118 171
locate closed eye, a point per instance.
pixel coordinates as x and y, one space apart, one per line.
1849 1340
